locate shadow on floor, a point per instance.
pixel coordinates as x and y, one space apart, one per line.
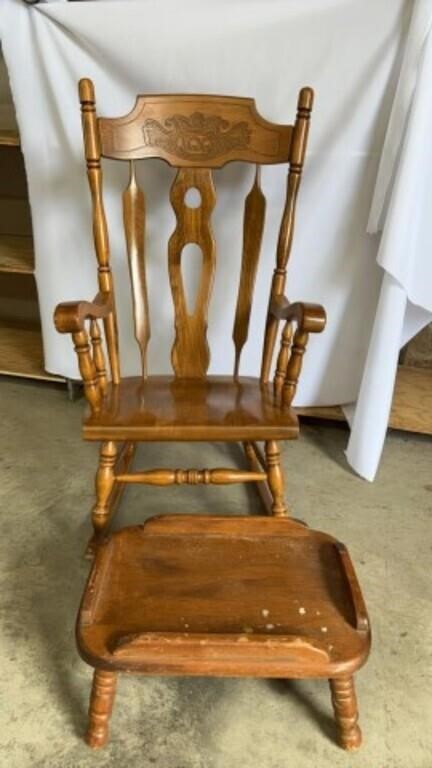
294 690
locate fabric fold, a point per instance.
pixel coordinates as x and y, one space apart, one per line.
405 303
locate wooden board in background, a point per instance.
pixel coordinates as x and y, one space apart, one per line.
16 254
15 217
13 180
412 400
9 138
21 352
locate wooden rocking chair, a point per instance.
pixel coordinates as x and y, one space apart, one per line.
195 134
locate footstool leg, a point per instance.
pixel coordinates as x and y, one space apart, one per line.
101 704
346 714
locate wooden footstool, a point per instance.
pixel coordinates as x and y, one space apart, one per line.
223 597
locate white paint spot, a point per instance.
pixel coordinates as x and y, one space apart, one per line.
270 626
323 629
265 612
318 613
302 610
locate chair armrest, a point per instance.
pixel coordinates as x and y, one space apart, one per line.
361 617
310 318
70 316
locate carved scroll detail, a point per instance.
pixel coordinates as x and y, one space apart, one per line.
197 137
190 354
253 227
200 131
134 224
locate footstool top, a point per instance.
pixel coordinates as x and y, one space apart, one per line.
233 596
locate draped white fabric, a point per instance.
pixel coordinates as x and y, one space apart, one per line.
350 52
402 207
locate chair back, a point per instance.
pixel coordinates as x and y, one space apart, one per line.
194 134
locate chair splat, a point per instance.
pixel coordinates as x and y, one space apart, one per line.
190 354
253 227
134 225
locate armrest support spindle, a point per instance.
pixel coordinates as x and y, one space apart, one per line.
309 318
87 369
98 356
282 361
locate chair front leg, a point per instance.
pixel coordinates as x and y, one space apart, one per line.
109 489
275 478
346 714
105 479
101 705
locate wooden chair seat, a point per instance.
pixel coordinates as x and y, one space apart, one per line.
224 596
169 408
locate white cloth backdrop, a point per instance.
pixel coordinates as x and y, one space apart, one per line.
350 52
402 207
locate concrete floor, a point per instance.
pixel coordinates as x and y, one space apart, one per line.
46 493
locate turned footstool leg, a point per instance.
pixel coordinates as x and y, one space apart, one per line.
346 714
101 704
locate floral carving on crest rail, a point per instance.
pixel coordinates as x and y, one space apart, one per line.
197 137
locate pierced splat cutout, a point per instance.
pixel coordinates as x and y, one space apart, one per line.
193 198
191 272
